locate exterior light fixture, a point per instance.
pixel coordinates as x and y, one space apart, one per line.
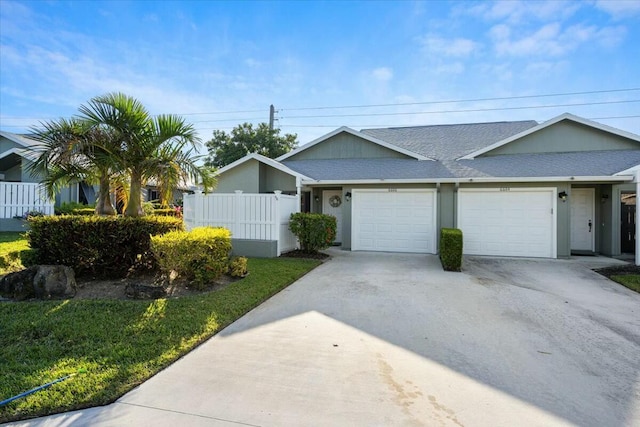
604 198
317 199
563 196
347 196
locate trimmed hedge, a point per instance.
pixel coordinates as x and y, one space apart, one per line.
201 255
167 212
451 249
314 231
96 245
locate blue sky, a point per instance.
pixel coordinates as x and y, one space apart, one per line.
207 60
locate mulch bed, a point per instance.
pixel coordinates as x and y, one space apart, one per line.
618 270
302 254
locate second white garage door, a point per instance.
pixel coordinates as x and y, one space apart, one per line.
508 221
394 220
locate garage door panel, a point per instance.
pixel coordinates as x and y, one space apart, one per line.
520 222
403 221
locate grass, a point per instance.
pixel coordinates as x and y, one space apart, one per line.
119 343
11 243
631 281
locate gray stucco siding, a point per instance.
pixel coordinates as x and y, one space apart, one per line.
346 146
7 144
244 177
566 136
272 179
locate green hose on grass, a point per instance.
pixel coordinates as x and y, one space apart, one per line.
42 387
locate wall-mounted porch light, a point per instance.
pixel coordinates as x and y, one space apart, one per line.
604 198
347 196
317 199
562 196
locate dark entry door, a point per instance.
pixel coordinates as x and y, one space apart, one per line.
628 228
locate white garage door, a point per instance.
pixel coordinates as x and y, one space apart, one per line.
508 221
394 220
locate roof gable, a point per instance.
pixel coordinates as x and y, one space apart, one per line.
562 134
262 159
345 142
20 140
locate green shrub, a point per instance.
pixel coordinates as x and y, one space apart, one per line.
451 249
84 211
201 255
238 266
68 208
100 246
314 231
148 208
167 212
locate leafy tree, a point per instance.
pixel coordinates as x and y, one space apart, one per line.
225 148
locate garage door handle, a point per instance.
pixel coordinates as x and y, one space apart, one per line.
589 226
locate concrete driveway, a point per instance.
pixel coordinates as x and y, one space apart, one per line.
387 339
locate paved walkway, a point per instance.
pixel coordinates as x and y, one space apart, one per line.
388 339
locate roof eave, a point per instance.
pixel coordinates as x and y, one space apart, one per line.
479 180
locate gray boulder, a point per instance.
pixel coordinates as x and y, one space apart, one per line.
41 282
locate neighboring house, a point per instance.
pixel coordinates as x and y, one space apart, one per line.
15 157
514 188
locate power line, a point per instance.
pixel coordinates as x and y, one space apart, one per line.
379 125
504 98
475 110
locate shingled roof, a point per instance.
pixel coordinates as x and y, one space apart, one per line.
449 142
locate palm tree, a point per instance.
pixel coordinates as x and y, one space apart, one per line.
149 147
72 151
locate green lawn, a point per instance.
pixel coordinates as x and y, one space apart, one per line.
631 281
11 242
119 343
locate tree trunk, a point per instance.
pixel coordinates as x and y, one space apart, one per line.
104 205
134 207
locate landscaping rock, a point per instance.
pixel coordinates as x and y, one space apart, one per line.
139 291
41 282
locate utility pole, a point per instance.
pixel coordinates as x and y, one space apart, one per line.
272 112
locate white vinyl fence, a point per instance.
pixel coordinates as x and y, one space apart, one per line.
247 216
18 198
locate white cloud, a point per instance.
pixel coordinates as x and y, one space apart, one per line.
383 74
449 68
619 8
449 47
252 63
552 40
514 12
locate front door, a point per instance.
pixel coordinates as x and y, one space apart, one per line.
583 224
332 205
628 223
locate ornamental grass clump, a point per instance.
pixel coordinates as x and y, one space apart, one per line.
201 255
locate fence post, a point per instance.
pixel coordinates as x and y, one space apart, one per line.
276 221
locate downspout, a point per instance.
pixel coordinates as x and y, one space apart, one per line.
637 179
